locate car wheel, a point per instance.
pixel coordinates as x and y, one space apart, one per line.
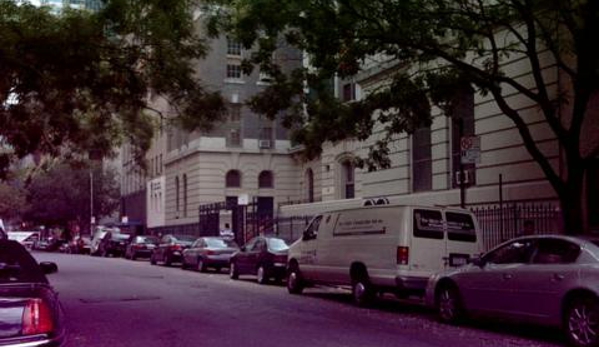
362 291
152 260
133 256
582 322
262 275
295 283
449 304
167 261
201 266
233 273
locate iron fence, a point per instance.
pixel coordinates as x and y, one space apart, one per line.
500 223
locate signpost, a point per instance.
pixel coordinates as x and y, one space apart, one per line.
470 149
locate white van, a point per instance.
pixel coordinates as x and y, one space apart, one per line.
382 248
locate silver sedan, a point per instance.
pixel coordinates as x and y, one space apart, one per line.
548 279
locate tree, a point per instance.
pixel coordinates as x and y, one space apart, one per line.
83 82
438 47
12 201
61 195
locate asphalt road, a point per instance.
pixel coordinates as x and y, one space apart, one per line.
116 302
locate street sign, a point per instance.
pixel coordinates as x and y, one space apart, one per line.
243 199
470 149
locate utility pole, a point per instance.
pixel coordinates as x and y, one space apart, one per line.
91 202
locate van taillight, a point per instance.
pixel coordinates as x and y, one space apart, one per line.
403 254
37 318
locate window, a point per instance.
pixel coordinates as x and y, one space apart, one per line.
184 195
234 47
234 138
428 224
177 193
460 227
266 133
233 179
310 184
235 112
462 124
265 180
234 71
311 231
349 92
421 160
517 252
554 251
347 171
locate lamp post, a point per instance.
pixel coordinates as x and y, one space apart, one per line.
91 202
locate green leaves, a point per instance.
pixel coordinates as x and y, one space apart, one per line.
79 81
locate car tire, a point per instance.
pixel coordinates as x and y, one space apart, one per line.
362 291
167 261
581 322
449 304
200 265
152 260
262 276
133 256
233 273
295 283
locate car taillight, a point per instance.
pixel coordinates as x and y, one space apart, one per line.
37 318
176 247
210 252
403 254
280 259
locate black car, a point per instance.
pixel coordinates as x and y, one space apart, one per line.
170 249
265 257
141 246
209 252
30 312
113 244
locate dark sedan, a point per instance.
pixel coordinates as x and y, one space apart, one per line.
209 252
170 249
30 312
264 257
141 247
114 244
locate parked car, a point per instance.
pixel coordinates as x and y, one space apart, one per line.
141 246
26 238
547 279
264 257
170 249
80 245
113 243
30 311
209 252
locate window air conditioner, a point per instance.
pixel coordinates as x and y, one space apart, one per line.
264 144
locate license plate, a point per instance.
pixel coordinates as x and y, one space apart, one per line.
458 259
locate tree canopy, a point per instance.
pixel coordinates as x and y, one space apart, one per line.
82 82
429 50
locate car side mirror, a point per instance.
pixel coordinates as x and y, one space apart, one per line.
478 261
48 267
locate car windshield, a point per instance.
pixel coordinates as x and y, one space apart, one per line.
186 238
277 245
221 243
17 265
147 239
120 237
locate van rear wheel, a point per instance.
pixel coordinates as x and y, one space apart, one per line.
362 291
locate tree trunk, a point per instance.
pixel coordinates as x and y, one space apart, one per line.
571 204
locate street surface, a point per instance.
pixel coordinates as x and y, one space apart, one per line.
116 302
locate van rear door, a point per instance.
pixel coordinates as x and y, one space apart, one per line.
463 241
428 242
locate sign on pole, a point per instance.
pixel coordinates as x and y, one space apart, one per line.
243 199
470 149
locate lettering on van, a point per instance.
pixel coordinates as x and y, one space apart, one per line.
360 227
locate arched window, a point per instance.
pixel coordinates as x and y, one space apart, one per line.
177 193
347 172
265 180
310 185
233 179
184 195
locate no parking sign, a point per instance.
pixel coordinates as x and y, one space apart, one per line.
470 149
